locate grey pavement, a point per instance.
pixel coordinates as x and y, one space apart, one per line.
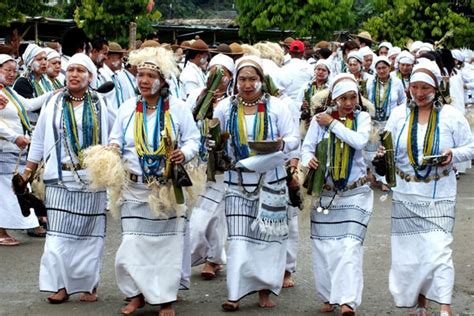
19 294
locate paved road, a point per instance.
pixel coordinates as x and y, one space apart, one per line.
19 266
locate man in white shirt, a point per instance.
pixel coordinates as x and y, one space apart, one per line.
192 77
298 71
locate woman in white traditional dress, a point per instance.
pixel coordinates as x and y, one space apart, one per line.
208 230
423 209
257 235
15 130
355 66
153 130
386 93
338 232
70 122
53 73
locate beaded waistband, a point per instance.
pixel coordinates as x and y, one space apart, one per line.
358 183
407 177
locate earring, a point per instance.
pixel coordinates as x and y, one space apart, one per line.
411 105
437 105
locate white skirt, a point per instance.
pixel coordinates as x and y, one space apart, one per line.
149 260
337 239
10 211
208 228
72 256
421 254
255 261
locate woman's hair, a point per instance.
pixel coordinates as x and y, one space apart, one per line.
447 60
434 56
73 40
349 45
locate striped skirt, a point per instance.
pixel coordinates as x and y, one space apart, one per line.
337 239
10 211
256 261
421 254
149 260
74 244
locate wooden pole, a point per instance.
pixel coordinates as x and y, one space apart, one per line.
133 35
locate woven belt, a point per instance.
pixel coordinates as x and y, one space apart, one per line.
141 179
407 177
358 183
71 167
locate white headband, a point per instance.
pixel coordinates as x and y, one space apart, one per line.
84 60
31 51
4 58
224 60
341 84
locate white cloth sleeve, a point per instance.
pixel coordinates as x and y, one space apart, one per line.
356 139
190 136
310 141
36 151
463 141
35 103
7 133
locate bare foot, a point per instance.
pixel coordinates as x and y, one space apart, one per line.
326 308
230 306
445 310
288 280
210 270
135 303
89 297
167 310
346 310
264 300
59 297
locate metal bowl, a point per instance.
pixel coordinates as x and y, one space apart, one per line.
264 146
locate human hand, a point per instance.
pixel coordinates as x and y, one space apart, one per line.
209 143
313 163
448 152
324 119
22 141
177 156
380 151
3 102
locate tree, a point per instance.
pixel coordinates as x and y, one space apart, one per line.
316 18
18 10
111 18
406 20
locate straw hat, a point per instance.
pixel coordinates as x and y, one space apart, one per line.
199 45
115 48
287 41
223 49
364 35
236 49
150 43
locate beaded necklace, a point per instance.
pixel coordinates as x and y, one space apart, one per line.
340 153
430 143
19 107
90 126
381 102
152 153
404 81
238 128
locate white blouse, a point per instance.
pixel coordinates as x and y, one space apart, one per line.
183 124
282 126
454 133
356 139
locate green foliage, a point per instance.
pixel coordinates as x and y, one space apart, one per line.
111 18
316 18
406 20
18 10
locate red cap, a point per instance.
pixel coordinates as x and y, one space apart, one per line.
297 47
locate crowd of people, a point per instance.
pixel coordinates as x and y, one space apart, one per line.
247 122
